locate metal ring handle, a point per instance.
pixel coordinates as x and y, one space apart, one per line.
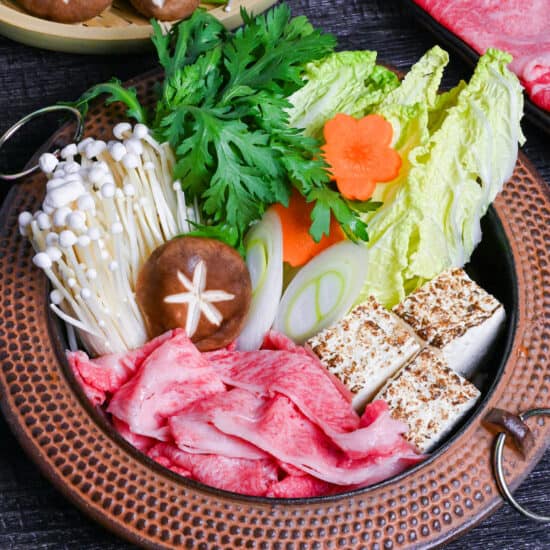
20 123
499 469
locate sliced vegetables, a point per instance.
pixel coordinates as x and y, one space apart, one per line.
359 154
322 291
240 115
298 244
264 259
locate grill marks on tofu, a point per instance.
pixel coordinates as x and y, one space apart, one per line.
455 315
445 308
430 397
365 348
451 318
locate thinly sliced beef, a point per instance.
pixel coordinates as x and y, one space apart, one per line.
278 341
162 453
539 89
520 27
290 469
300 377
303 486
270 422
240 475
378 433
275 425
105 375
140 442
172 377
193 431
96 397
303 379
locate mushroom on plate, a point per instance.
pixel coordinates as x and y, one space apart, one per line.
65 11
166 10
200 284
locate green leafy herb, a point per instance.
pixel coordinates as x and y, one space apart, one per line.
327 200
225 233
116 92
364 206
184 43
223 107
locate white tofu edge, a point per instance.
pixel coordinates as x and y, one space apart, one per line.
375 383
464 354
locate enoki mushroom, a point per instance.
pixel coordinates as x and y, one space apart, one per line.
107 207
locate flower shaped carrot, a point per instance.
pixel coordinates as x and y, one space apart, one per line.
359 154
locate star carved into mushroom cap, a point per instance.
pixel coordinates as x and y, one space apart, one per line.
198 299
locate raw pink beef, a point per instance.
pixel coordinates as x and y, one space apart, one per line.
173 376
300 377
240 475
278 341
193 431
96 397
275 341
378 433
280 431
271 422
520 27
163 453
108 373
303 486
275 425
140 442
303 379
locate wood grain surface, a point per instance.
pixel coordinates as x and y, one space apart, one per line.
32 514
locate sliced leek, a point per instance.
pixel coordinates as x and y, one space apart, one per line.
323 291
264 258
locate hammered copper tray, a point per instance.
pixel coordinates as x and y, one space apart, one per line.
141 501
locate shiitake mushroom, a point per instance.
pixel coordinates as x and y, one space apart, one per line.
164 297
166 10
65 11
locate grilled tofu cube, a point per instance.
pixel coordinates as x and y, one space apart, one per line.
365 348
455 315
430 397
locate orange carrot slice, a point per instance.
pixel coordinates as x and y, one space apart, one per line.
298 245
359 154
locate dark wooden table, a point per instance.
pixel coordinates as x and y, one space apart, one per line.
34 515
